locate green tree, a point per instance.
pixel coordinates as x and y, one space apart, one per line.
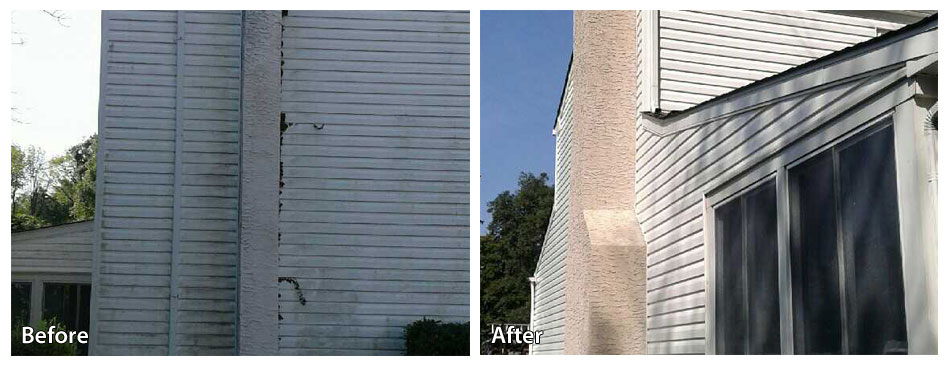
510 249
56 191
74 176
18 171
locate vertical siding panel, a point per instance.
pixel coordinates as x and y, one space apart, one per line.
374 196
168 146
209 183
138 107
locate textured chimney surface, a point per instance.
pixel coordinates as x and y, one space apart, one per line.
606 258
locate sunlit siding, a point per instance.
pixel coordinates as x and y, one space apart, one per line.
61 249
549 300
167 197
703 54
694 161
375 178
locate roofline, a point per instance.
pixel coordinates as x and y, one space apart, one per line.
668 119
567 76
49 227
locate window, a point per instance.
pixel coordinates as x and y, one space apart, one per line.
20 305
847 279
747 307
69 305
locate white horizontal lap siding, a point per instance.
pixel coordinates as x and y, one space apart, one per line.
375 177
138 149
549 301
670 190
139 142
703 54
209 184
62 249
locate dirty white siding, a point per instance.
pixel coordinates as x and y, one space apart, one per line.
691 162
61 249
548 315
164 281
375 178
703 54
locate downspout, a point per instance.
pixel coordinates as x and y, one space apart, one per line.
533 282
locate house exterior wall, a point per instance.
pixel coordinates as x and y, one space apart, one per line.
61 249
167 198
703 54
375 178
679 164
683 167
359 120
549 295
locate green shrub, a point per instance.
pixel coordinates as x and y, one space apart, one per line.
18 348
429 337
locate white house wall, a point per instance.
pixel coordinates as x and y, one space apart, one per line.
61 249
703 54
375 178
164 281
550 291
677 170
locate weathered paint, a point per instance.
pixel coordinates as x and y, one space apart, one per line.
169 161
62 249
260 179
375 191
190 129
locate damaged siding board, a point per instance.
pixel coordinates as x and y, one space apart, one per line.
169 133
375 178
61 249
703 54
695 161
550 289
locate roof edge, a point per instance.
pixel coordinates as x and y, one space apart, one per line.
567 76
666 123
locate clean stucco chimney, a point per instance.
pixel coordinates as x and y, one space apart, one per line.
606 257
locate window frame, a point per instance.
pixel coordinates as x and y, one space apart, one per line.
37 283
776 167
712 246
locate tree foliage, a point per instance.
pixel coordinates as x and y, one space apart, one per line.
510 249
55 191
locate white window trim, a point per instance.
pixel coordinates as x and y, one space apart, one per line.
650 65
905 117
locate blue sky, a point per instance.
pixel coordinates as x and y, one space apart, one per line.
524 57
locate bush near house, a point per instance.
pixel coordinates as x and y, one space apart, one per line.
429 337
18 348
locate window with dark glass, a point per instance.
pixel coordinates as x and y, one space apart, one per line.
747 308
847 279
68 304
20 305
